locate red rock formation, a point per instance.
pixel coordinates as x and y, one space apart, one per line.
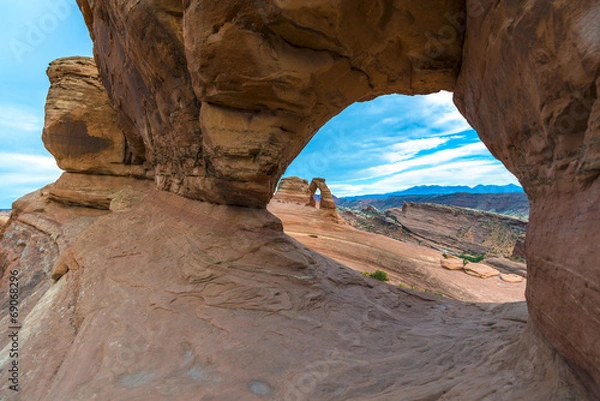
293 190
519 249
326 201
460 230
81 129
529 85
236 90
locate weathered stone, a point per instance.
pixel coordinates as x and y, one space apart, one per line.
326 201
519 250
529 85
219 97
511 278
451 263
293 190
480 270
460 230
81 128
235 91
3 220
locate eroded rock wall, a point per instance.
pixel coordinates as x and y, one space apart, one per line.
529 85
81 128
293 190
219 97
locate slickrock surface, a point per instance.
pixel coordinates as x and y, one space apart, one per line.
157 304
459 230
407 264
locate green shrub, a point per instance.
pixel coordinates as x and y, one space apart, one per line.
471 258
379 275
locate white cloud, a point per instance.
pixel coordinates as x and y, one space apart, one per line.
433 159
19 118
465 172
23 173
408 149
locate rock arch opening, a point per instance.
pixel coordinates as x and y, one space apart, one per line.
235 91
381 155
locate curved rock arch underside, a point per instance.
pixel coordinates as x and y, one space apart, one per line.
214 99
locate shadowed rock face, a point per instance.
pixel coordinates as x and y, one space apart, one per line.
219 97
529 85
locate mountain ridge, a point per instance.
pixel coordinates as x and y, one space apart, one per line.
442 190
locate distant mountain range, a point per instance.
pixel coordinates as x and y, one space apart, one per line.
443 190
507 199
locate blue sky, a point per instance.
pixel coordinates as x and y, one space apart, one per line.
34 32
389 144
396 142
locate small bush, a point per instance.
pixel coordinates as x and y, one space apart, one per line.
471 258
379 275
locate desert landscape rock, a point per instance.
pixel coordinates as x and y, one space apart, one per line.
480 270
326 201
81 129
513 204
164 297
511 278
195 317
235 91
449 229
293 190
451 262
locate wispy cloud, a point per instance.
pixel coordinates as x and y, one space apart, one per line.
433 159
486 172
19 118
394 142
22 173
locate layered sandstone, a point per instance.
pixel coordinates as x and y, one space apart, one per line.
293 190
529 85
236 90
326 201
81 129
164 297
459 230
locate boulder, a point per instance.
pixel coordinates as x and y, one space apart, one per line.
451 262
480 270
511 278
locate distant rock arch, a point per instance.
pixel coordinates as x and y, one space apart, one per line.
326 201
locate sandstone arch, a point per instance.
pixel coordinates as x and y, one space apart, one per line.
326 197
236 90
